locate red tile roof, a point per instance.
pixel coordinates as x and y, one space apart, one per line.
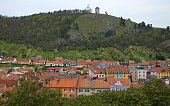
59 58
8 83
39 61
6 89
55 62
24 60
8 59
47 75
81 62
4 69
137 85
2 73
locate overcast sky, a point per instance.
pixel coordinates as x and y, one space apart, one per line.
156 12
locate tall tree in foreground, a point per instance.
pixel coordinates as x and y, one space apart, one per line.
157 93
32 93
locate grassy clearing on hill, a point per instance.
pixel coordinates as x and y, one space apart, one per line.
97 23
20 51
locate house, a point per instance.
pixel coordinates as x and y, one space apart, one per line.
118 72
46 77
23 72
142 81
69 63
7 85
39 62
96 72
88 61
65 70
8 60
118 84
67 86
24 61
167 81
87 87
81 63
144 66
142 73
163 73
54 63
3 72
163 63
133 64
152 73
134 75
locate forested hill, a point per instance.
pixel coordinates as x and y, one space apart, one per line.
80 30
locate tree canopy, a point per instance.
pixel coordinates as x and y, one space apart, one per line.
154 93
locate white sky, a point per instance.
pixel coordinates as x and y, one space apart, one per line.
156 12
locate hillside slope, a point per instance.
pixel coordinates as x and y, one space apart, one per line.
68 31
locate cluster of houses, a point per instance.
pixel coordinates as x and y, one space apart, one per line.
83 77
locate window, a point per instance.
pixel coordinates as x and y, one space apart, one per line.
65 95
65 90
99 90
80 90
86 90
71 95
71 90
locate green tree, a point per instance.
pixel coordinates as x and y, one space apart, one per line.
157 93
32 93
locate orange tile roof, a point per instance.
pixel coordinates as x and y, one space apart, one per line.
112 81
84 83
63 83
80 83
